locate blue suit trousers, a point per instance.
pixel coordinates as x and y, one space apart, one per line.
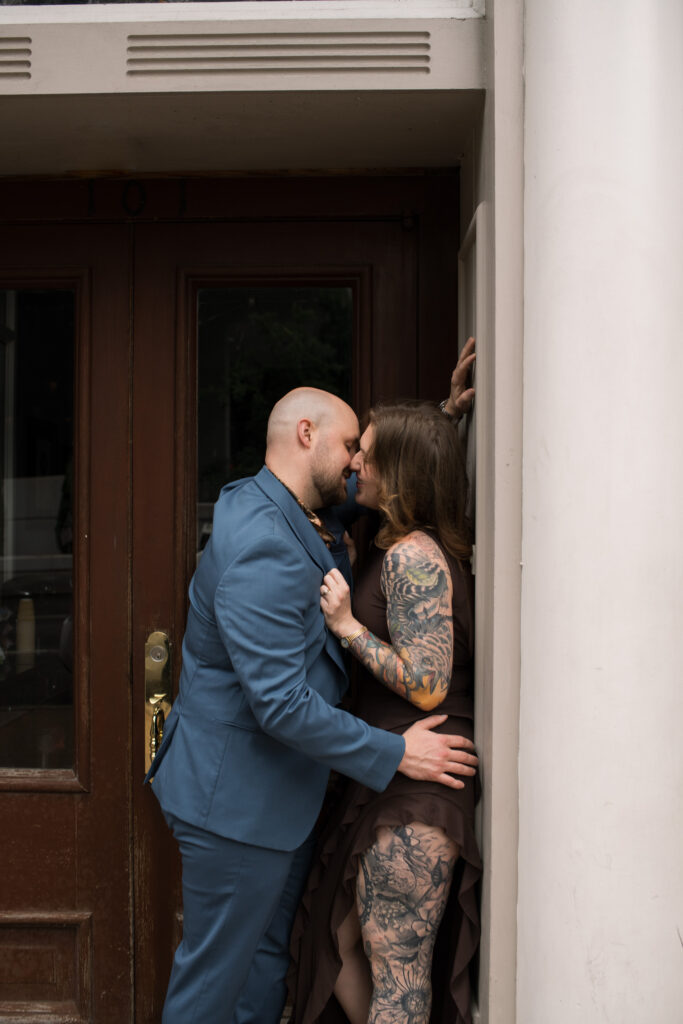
239 902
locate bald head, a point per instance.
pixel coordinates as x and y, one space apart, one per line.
312 437
320 407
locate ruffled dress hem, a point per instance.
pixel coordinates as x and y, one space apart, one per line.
315 952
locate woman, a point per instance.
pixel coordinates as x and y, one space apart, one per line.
392 866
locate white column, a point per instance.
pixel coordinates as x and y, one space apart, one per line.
600 911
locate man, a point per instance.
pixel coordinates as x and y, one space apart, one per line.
244 762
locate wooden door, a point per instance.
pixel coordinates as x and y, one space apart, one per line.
204 298
65 771
184 278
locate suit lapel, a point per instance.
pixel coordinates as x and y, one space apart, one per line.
296 517
307 535
333 648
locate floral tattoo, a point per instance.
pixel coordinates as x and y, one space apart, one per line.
401 892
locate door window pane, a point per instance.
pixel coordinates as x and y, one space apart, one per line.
255 344
36 528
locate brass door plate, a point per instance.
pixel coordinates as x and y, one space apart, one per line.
158 683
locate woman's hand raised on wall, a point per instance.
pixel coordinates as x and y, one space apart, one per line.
460 400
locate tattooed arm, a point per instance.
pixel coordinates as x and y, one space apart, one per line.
417 585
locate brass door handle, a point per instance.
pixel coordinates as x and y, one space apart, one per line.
156 729
158 684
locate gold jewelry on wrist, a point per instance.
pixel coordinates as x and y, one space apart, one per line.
346 641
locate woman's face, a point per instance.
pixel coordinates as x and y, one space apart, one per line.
368 483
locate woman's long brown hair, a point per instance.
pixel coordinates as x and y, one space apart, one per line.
417 456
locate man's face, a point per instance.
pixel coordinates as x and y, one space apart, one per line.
336 444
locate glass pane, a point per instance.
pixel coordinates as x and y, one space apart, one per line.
36 528
256 343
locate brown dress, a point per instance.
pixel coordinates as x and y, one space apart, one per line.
349 824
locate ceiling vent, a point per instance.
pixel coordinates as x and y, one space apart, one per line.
15 57
281 53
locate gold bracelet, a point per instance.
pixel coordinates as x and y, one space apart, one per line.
346 641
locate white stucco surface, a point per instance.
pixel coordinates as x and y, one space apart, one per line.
600 911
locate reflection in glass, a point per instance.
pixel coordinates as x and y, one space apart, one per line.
255 343
36 528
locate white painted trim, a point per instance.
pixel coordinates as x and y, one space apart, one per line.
282 10
101 55
500 343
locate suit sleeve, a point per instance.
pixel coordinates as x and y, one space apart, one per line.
260 607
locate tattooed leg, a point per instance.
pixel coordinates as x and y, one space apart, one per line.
401 892
353 987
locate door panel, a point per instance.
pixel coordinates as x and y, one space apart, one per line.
65 864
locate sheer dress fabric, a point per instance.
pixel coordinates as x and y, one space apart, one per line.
352 815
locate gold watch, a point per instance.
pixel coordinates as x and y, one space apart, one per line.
346 641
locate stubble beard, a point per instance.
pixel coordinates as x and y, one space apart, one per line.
331 486
332 490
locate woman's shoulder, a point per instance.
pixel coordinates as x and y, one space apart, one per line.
419 543
417 551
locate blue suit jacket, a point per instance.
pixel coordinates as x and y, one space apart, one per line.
253 733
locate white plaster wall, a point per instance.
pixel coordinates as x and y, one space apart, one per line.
600 911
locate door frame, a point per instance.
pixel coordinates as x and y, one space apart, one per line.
177 269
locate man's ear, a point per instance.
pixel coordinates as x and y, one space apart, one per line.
304 431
